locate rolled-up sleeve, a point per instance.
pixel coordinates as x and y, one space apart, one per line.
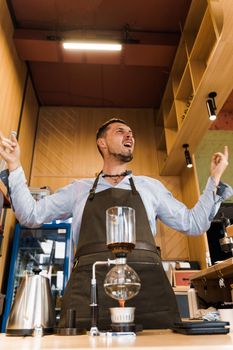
32 213
196 220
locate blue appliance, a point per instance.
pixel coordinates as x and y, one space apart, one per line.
47 247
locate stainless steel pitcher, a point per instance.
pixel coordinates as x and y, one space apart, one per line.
33 311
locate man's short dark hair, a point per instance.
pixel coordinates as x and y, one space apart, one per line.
104 126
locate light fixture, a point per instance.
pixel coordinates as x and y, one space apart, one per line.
211 106
187 155
91 46
127 38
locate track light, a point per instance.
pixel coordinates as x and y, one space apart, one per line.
188 158
211 106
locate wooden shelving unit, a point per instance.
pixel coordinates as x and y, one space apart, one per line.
6 198
206 282
5 203
200 56
223 269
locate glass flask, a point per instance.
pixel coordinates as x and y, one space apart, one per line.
122 283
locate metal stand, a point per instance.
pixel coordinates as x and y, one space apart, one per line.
94 331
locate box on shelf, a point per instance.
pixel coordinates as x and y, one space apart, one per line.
182 277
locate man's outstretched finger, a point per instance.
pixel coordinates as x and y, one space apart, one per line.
226 151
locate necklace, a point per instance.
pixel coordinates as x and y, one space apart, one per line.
116 177
125 173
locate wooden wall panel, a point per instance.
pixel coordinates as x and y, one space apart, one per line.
12 78
12 82
12 75
66 149
26 140
174 245
198 246
27 130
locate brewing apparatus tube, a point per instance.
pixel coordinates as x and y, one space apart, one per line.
94 296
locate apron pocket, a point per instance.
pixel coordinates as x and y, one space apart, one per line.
155 292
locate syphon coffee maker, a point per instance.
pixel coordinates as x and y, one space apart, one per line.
121 282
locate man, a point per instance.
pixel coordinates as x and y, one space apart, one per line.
87 201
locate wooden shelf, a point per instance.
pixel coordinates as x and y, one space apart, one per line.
168 99
160 139
161 146
184 96
185 88
206 46
182 108
162 158
224 269
206 39
206 282
3 189
159 118
170 137
180 62
170 120
193 22
197 68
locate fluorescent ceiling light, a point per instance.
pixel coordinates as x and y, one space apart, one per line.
92 46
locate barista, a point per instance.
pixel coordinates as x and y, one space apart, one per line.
86 201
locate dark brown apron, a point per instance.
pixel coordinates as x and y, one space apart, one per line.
156 303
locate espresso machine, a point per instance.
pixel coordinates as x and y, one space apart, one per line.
226 242
121 282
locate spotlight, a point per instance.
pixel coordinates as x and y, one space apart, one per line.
211 106
188 158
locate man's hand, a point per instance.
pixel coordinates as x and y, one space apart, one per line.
219 162
10 151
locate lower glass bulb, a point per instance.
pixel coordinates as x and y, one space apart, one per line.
122 283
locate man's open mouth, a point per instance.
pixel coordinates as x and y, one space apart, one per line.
128 144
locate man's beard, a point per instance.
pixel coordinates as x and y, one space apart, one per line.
123 157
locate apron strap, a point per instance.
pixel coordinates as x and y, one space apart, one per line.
92 190
134 190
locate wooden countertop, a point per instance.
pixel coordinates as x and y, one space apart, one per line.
149 339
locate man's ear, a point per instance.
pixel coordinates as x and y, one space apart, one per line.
101 143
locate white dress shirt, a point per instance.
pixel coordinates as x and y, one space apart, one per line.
70 200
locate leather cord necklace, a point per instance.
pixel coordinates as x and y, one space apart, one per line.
125 173
115 177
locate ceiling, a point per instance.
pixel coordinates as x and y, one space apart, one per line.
133 78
